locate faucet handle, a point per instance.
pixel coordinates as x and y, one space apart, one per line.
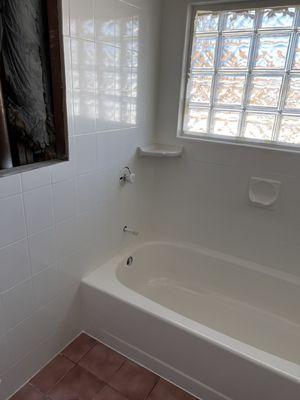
126 176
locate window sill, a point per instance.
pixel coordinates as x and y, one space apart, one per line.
29 167
224 140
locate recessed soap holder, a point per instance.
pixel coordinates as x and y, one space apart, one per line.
264 192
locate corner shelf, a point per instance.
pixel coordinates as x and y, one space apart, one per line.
160 150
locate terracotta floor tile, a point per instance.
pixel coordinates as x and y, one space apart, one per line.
79 347
109 393
133 381
61 379
78 384
166 391
102 361
46 379
28 392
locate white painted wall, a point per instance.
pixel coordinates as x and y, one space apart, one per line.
202 198
58 223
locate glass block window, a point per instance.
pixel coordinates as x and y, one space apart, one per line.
243 76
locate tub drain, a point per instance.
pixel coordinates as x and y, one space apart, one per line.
129 261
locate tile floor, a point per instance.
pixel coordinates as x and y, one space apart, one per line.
88 370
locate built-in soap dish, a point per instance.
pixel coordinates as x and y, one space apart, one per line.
264 192
160 150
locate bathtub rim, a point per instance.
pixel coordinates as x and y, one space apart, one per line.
110 284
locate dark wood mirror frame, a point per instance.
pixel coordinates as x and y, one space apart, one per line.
58 90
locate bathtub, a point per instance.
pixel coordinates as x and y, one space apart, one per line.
218 326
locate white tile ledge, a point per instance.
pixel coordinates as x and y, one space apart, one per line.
160 150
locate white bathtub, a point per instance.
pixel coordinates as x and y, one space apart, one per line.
218 326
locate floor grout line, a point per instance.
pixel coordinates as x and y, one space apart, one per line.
59 380
156 383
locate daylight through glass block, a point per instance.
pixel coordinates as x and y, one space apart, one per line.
244 76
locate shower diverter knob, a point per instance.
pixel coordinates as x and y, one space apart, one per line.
127 176
131 178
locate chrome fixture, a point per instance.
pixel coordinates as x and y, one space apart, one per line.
126 176
127 230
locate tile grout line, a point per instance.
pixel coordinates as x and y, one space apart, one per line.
44 366
77 362
48 393
50 390
156 383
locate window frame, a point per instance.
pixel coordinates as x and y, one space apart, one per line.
224 5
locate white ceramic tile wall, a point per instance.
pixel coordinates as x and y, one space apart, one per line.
57 223
203 197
